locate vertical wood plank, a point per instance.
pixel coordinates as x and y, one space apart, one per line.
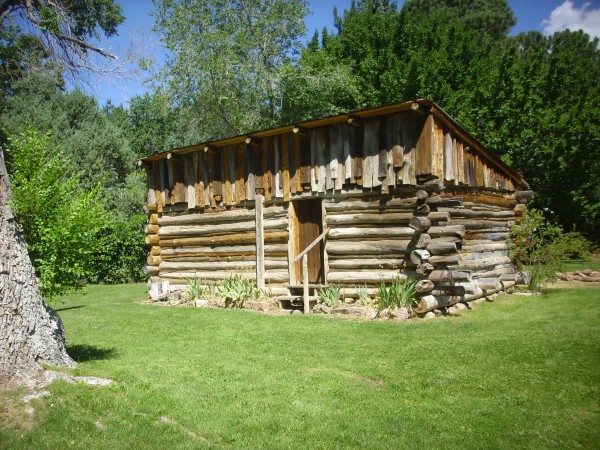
266 168
150 184
346 156
260 243
277 179
448 158
240 174
424 148
190 181
357 152
227 177
285 167
250 165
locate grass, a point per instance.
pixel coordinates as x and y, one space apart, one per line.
519 373
593 262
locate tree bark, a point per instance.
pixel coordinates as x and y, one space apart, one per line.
31 333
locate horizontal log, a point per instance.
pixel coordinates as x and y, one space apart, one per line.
154 250
227 239
509 277
492 236
153 260
419 223
444 259
379 247
234 215
223 250
478 214
488 283
449 275
424 286
223 265
497 246
424 269
524 196
366 218
419 256
366 263
153 218
428 303
442 247
151 229
205 275
447 230
438 200
198 230
520 209
152 239
383 204
482 225
484 262
439 216
364 277
372 232
150 270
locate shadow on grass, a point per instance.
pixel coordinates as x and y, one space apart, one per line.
84 352
67 308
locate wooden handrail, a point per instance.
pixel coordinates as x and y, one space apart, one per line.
311 245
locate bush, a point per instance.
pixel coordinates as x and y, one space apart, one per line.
61 220
236 289
329 295
400 294
539 248
121 251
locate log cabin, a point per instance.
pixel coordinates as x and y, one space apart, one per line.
400 190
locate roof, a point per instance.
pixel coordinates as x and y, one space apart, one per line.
433 108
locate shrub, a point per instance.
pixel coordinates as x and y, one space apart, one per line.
540 248
400 294
329 295
194 289
236 289
121 251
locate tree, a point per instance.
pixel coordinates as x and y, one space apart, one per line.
30 332
64 28
227 59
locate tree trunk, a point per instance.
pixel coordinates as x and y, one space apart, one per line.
31 333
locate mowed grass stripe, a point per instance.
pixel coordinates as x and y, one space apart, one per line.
521 372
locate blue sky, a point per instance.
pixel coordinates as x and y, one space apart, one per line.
540 15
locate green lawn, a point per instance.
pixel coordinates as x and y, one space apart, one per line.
593 262
522 372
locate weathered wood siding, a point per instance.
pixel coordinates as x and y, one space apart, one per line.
378 155
402 193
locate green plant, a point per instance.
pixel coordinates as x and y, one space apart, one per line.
400 294
539 248
329 295
194 289
236 289
363 296
62 219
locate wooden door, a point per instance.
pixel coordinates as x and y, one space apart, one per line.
309 225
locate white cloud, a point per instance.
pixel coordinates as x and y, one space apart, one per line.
568 16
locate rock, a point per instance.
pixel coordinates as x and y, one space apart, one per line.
348 300
461 306
400 313
350 310
296 311
587 271
453 310
370 313
260 305
428 315
201 303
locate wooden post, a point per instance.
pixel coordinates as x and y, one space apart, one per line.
305 282
260 243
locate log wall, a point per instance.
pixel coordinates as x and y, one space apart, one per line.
403 194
